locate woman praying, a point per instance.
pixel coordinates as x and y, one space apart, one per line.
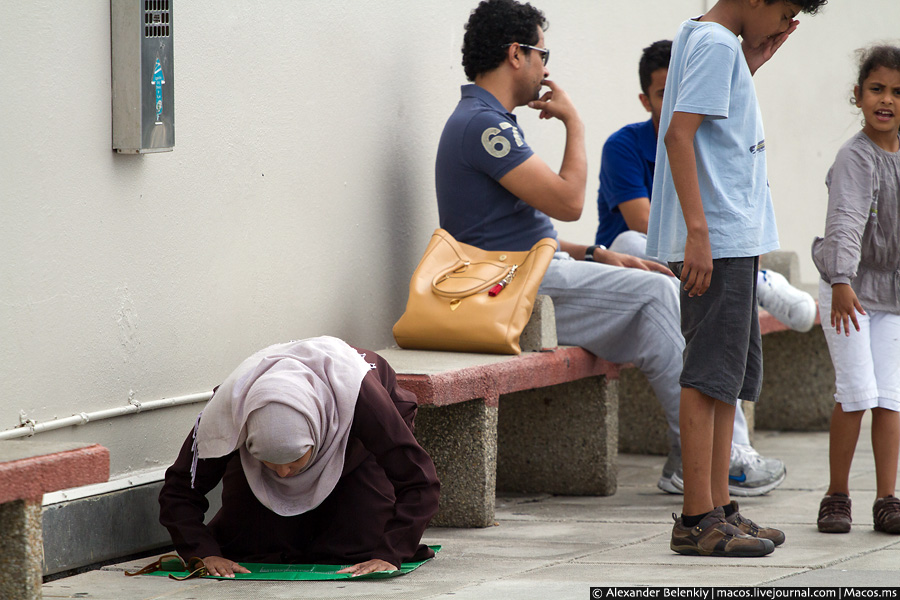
313 443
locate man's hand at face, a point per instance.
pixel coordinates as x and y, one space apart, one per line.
555 103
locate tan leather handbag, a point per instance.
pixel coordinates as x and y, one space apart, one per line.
466 299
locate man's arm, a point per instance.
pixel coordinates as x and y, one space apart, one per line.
679 141
608 257
636 213
558 195
623 179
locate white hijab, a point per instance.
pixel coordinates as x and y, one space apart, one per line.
278 404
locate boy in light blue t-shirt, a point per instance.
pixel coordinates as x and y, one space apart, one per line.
711 217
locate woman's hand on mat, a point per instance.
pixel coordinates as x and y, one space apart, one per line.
370 566
222 567
844 306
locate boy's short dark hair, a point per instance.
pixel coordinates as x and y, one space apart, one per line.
492 24
656 56
809 7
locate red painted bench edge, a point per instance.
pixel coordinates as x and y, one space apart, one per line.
30 478
525 372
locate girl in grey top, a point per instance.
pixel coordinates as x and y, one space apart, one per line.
861 246
859 261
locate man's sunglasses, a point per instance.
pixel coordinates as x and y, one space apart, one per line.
545 52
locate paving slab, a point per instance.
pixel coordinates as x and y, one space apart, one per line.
827 578
547 547
880 560
626 574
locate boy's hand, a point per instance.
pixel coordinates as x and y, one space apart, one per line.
698 266
555 103
843 303
759 54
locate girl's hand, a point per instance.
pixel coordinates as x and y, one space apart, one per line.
370 566
222 567
844 305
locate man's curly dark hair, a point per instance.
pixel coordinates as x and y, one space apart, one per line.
809 7
656 56
492 24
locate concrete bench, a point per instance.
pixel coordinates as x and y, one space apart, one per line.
543 421
28 470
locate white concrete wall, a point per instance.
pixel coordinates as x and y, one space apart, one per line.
300 193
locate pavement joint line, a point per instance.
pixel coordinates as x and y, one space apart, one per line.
741 565
786 576
590 521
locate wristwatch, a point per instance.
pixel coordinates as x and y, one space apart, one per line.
589 252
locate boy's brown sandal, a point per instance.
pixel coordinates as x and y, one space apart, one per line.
715 537
834 514
750 528
886 513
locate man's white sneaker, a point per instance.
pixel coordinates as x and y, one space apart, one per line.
795 308
751 474
671 471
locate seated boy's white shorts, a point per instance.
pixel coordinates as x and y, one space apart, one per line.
867 362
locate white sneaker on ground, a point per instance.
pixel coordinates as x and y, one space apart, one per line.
749 474
795 308
671 469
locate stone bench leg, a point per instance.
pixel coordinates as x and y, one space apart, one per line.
462 441
798 382
561 439
642 425
21 550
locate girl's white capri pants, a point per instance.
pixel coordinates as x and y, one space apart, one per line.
867 362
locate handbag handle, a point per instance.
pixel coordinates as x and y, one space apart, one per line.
478 286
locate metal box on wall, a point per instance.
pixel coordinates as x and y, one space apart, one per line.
143 99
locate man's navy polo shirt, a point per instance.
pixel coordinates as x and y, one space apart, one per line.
626 173
480 144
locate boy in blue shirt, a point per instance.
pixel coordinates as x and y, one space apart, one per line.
711 217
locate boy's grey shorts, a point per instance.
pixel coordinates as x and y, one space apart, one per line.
723 347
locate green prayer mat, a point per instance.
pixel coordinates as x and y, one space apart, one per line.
277 572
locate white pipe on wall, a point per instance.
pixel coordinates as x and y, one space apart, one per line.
30 428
